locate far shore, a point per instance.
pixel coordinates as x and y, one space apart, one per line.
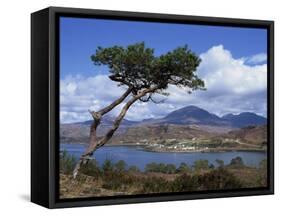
204 151
147 148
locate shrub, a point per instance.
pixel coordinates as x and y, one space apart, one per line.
118 180
161 167
218 179
133 169
112 182
237 162
201 165
151 167
262 175
263 164
91 169
120 166
170 169
183 168
185 183
67 162
107 166
155 185
220 163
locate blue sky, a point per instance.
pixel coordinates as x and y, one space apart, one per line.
80 37
241 49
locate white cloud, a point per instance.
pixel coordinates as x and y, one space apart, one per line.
232 84
79 94
256 59
222 72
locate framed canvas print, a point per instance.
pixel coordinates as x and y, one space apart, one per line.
138 107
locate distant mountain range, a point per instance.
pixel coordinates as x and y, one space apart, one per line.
185 122
192 115
195 115
244 119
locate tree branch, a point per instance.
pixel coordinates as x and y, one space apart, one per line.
94 145
122 114
119 79
93 132
119 118
113 104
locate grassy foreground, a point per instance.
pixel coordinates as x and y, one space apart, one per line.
118 179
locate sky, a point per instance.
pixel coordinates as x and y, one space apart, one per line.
234 67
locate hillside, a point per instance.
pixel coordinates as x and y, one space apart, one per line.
256 135
186 123
160 133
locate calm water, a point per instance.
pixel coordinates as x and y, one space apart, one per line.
137 156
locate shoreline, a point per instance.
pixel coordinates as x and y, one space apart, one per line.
146 148
206 151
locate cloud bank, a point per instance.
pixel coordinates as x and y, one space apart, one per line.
233 86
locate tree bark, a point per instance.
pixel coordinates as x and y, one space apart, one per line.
97 116
94 144
85 157
119 119
116 102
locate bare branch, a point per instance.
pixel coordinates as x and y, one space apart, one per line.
149 97
157 102
143 99
118 120
122 114
113 104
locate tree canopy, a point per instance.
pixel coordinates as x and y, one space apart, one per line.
137 67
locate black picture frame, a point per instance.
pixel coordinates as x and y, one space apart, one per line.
45 105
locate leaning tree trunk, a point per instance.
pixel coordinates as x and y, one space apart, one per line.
85 157
94 143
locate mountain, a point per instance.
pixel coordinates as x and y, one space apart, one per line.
189 115
244 119
185 122
193 115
